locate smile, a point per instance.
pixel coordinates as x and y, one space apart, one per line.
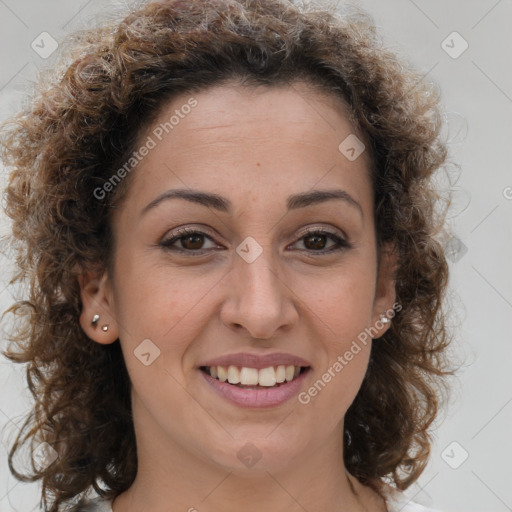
254 378
256 396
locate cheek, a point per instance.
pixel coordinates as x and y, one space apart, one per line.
343 306
344 315
164 305
343 302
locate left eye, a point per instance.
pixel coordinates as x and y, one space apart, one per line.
317 241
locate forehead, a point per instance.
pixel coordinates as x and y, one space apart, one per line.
249 142
298 108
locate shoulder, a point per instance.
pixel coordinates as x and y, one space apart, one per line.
396 501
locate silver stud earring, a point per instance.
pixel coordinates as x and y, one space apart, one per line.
104 328
94 321
384 319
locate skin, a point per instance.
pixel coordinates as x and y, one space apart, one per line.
255 147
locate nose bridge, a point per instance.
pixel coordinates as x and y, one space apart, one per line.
259 282
259 299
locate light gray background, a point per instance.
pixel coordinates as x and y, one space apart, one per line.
477 98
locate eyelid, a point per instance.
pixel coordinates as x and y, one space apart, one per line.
322 229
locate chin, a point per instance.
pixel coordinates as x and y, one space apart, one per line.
251 454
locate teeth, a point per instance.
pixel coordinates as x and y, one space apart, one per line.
233 375
266 377
249 376
221 373
281 373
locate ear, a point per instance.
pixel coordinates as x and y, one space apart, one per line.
95 291
385 292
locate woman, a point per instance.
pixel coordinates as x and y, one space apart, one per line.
224 213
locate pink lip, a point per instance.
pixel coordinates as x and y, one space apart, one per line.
257 361
256 398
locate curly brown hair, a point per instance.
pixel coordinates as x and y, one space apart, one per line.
83 123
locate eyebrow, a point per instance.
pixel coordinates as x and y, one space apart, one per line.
294 202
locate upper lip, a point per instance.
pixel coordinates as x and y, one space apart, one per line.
256 360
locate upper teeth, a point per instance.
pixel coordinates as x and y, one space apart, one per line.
252 376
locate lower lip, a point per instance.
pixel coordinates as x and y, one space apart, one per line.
256 398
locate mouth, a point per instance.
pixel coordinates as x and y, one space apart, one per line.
255 378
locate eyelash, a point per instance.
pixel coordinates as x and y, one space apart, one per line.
341 243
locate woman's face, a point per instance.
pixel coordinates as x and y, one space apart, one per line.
219 262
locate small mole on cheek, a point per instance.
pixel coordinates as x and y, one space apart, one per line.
258 164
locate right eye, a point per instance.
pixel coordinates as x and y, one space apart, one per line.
191 241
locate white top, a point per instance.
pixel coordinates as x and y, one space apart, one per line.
397 502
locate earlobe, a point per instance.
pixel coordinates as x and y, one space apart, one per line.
97 318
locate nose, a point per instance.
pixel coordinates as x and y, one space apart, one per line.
259 299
